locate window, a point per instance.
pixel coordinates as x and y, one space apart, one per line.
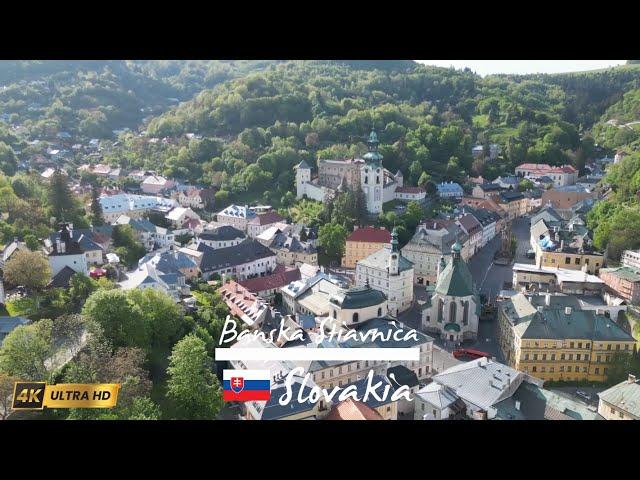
440 310
567 260
569 368
608 346
571 345
597 371
535 356
533 369
577 262
465 313
526 356
452 312
578 356
553 357
380 312
355 317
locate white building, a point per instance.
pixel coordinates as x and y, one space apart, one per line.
134 206
368 173
387 270
236 216
221 237
248 259
154 184
450 190
66 253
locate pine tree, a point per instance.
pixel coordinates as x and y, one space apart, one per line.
97 218
60 197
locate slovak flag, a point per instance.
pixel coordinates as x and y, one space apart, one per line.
246 385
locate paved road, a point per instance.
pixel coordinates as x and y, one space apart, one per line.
489 277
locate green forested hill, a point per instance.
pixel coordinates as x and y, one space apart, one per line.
257 126
93 98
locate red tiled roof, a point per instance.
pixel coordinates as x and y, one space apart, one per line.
350 409
370 234
410 190
545 168
275 280
267 218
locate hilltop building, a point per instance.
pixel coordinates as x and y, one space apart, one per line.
377 183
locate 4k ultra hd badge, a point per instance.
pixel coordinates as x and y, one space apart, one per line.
29 395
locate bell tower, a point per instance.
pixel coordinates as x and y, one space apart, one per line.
394 257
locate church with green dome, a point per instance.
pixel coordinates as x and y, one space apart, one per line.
452 307
378 184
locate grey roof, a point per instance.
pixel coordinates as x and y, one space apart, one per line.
304 164
244 252
509 196
402 376
61 279
222 233
624 396
537 403
358 297
170 261
437 395
380 260
7 324
548 214
455 280
481 382
554 323
291 243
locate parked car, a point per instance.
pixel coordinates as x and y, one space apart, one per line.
584 395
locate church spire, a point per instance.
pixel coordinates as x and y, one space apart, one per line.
394 240
373 140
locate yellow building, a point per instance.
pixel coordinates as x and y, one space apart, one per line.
570 260
362 243
514 203
559 344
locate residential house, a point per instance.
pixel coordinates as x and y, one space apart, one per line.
408 194
556 279
149 234
134 206
622 401
486 191
291 250
259 223
67 255
266 287
94 252
221 237
432 242
171 260
200 198
363 242
565 199
154 184
179 215
514 203
631 259
236 216
564 175
449 190
473 228
623 282
246 260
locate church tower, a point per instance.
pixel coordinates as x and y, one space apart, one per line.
372 176
394 258
303 176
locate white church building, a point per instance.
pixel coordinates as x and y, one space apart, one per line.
377 183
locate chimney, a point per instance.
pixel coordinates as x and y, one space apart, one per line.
567 310
561 245
518 405
540 308
547 299
631 379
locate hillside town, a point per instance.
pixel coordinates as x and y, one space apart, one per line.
518 315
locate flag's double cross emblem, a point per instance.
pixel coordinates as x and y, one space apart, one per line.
237 384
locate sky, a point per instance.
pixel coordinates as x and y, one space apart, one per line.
488 67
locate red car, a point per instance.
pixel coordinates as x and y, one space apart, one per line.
469 352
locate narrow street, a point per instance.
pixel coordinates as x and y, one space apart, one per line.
488 279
